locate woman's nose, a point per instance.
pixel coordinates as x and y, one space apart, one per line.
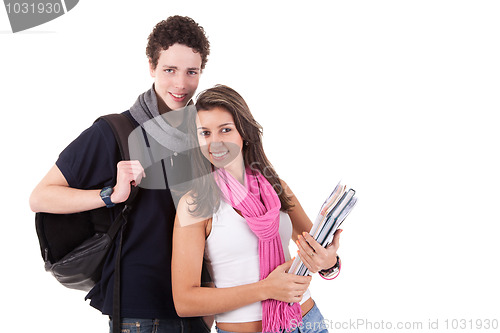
216 143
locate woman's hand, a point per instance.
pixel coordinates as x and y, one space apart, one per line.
314 256
285 287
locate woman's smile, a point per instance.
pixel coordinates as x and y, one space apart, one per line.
219 155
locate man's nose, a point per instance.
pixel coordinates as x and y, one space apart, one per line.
180 81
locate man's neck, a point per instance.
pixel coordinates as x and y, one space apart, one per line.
162 106
173 117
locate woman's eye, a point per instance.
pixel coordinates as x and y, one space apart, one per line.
226 130
204 133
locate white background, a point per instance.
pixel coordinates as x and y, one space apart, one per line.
396 98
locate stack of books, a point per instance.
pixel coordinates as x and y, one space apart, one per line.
333 212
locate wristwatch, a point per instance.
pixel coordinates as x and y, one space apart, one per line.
106 196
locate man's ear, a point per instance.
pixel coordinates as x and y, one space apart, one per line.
151 68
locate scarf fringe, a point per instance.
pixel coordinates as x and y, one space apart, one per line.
278 316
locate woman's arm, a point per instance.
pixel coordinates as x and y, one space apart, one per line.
300 221
191 299
313 255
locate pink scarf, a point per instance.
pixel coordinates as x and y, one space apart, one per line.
260 206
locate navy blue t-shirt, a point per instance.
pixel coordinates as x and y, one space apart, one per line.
89 162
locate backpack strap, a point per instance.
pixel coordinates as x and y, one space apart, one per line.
116 312
122 127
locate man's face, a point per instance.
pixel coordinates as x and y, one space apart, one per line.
177 75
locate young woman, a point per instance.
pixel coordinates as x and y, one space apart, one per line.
239 218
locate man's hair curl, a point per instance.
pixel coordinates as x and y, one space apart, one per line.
177 29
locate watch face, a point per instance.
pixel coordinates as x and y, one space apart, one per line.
106 192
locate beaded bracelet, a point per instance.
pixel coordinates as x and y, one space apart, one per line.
331 273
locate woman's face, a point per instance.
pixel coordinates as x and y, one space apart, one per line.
220 142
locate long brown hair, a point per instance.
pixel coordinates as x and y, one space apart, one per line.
205 192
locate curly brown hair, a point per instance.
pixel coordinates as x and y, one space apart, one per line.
177 29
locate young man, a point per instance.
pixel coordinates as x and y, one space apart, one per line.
87 171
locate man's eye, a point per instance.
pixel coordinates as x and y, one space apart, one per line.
169 70
192 73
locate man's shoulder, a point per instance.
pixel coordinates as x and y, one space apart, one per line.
90 160
99 135
104 128
127 114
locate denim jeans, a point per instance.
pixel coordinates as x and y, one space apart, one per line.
182 325
312 322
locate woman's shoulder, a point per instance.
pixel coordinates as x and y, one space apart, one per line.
285 188
185 208
186 200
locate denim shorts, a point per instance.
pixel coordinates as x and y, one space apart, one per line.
182 325
312 322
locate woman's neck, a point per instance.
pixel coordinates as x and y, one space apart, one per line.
237 169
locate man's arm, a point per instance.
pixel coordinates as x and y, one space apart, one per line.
54 195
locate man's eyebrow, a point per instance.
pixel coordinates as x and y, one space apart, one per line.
189 69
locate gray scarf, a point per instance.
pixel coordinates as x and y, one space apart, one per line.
145 112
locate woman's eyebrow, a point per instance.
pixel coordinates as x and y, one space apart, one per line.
225 124
221 125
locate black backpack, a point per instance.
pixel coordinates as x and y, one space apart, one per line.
74 246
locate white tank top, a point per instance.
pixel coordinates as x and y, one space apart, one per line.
231 254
